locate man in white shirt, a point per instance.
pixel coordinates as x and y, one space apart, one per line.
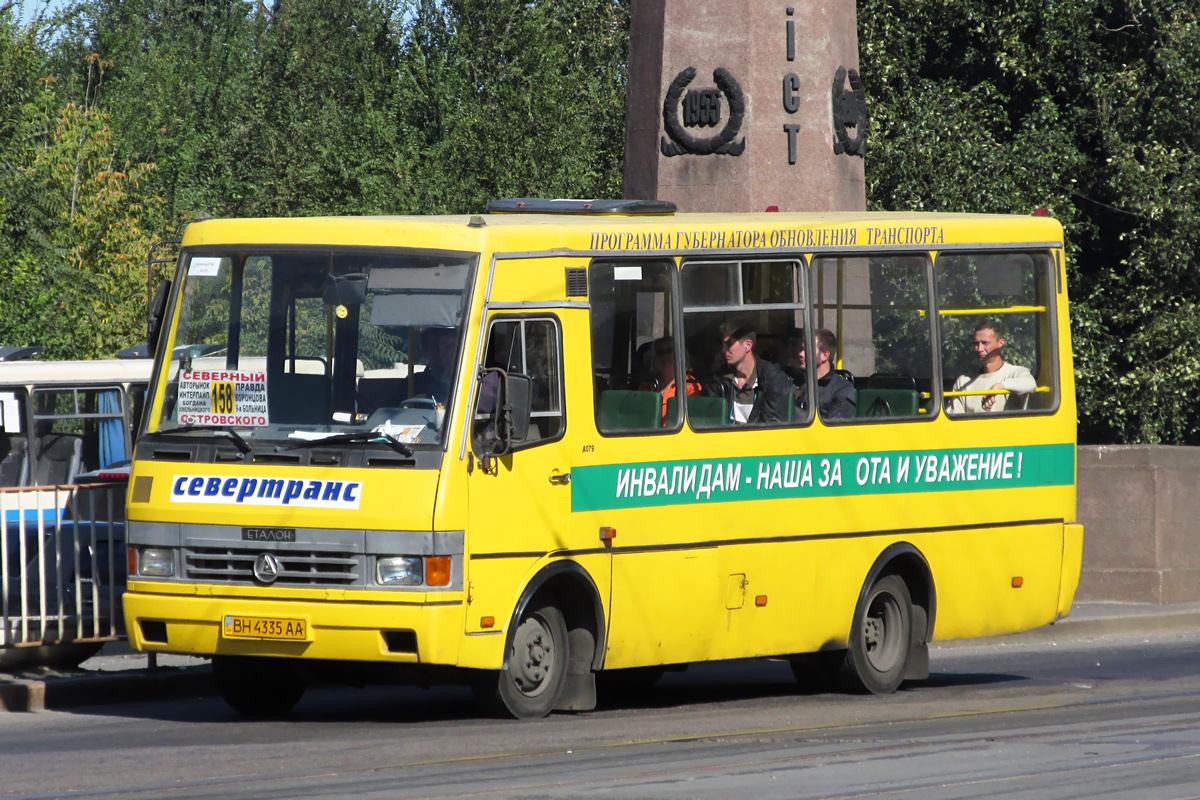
994 373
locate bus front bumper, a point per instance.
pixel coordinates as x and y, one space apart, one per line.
345 630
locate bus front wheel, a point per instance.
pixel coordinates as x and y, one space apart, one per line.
879 639
258 687
535 668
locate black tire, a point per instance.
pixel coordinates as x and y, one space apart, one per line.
880 638
258 687
535 669
64 656
14 659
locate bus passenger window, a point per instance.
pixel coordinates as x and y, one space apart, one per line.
875 314
636 360
997 332
532 347
739 318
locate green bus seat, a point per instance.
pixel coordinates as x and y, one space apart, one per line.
629 410
708 412
887 403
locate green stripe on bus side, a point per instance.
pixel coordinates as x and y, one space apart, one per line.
721 480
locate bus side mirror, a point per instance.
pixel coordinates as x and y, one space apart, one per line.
503 413
517 408
154 316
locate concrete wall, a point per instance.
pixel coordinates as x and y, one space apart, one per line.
1140 508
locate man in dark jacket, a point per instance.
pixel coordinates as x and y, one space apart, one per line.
757 390
836 396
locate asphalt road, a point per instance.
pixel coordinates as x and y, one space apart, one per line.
1117 716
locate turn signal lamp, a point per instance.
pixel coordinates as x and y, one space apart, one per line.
437 571
608 534
1018 582
487 622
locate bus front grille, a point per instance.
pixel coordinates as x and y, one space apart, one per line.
297 567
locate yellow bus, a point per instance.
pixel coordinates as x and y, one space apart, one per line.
451 449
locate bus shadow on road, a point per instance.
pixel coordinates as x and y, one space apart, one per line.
727 682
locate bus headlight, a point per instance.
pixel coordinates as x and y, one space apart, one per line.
156 562
399 571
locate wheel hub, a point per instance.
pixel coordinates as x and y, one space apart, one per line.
873 633
881 633
534 651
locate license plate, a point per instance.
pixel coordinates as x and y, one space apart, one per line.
288 629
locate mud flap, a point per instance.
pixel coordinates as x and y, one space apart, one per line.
579 690
917 666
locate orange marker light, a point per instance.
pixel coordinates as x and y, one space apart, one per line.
487 622
760 601
1018 582
608 534
132 553
437 570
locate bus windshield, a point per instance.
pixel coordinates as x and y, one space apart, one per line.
303 345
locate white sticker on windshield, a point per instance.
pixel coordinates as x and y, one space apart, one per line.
627 273
405 433
10 419
205 266
222 397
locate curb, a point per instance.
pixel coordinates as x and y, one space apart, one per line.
1072 628
73 691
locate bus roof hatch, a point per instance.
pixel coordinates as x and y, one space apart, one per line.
541 205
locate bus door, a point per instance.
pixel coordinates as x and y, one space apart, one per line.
520 501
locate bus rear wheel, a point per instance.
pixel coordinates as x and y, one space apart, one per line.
879 639
535 668
258 687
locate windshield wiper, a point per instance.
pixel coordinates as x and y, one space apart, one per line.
357 436
233 435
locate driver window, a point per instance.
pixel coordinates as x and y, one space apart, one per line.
529 347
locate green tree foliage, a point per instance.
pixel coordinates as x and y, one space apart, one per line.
75 222
507 98
278 107
366 106
1087 108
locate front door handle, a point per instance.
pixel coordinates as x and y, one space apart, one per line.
560 479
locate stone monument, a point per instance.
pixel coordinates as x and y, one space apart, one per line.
741 105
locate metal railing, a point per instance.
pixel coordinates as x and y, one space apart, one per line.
62 565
